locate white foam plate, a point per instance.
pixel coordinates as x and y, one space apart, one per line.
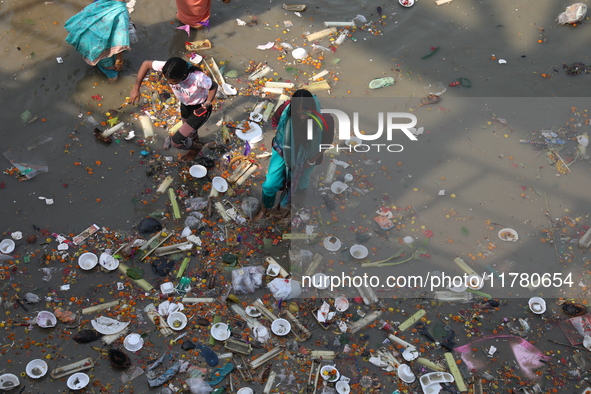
252 135
219 184
107 326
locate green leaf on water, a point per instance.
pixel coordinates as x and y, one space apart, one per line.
32 54
465 231
29 21
426 241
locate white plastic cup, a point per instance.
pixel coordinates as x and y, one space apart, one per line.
299 53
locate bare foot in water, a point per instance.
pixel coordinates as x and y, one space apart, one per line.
189 156
260 215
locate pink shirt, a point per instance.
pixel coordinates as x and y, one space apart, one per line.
193 90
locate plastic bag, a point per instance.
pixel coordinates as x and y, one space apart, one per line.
285 289
246 280
198 386
27 165
166 376
251 206
193 221
196 204
574 13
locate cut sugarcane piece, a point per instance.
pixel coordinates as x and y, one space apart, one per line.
399 341
294 7
184 264
282 272
146 123
321 34
140 282
147 244
240 170
166 250
364 321
300 332
323 354
430 364
269 110
411 320
319 75
270 382
176 211
158 320
237 346
99 307
283 85
314 264
164 239
318 85
69 369
453 368
260 72
478 385
165 184
216 70
251 170
197 300
175 128
271 354
339 24
266 313
465 267
222 212
273 90
112 130
300 236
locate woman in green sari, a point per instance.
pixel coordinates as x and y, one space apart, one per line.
100 33
294 155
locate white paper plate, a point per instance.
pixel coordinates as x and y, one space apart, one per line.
133 342
177 316
219 184
359 251
107 326
87 261
220 331
338 187
7 246
332 243
198 171
253 135
78 381
108 262
508 234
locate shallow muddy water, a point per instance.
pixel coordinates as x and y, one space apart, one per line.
470 152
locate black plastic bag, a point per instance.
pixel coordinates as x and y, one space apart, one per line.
149 226
162 266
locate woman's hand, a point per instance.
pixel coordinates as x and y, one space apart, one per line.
134 96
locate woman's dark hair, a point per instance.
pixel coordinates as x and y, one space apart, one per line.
301 100
178 68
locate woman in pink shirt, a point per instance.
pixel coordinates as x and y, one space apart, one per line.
195 91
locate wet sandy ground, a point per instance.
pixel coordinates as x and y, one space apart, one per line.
464 151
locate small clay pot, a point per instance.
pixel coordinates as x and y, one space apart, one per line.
32 239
